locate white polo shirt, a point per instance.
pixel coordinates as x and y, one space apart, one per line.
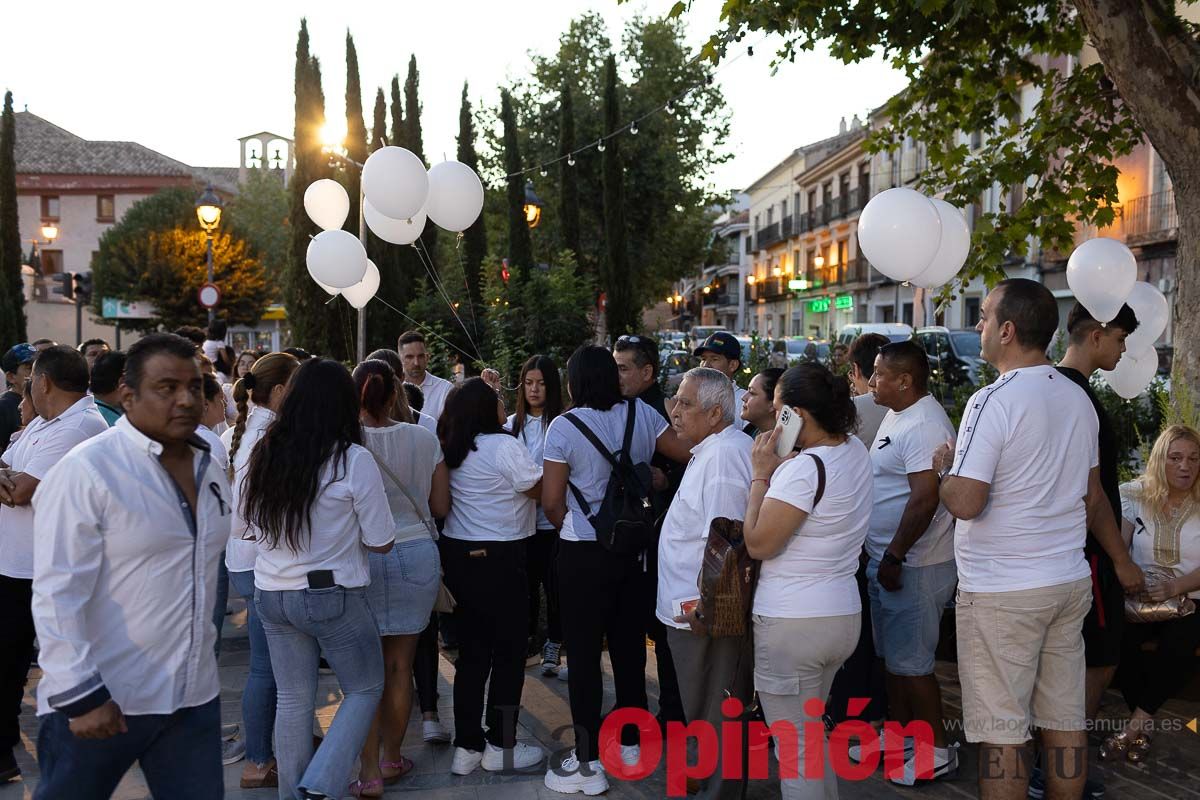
904 445
1032 436
435 390
425 421
486 500
241 552
125 578
715 484
533 436
39 447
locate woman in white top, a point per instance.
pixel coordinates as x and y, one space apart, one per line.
493 483
539 401
263 383
603 594
315 500
404 583
807 519
1161 511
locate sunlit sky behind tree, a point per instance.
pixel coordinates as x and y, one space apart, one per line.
189 79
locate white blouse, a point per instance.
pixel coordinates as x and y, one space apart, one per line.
486 502
411 453
1161 541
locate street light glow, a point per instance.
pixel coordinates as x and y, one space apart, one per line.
50 231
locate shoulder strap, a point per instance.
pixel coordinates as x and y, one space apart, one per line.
386 470
593 438
820 478
630 421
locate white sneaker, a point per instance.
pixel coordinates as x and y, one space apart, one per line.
945 764
562 673
571 778
631 754
522 756
854 751
434 732
465 761
232 751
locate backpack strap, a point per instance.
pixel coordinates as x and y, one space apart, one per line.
601 448
630 421
820 479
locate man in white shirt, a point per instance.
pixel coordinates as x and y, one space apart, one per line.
716 484
412 353
129 528
66 416
1025 487
910 545
862 364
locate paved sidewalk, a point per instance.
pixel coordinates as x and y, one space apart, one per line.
1174 772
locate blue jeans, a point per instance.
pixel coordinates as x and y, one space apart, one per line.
907 622
180 755
258 698
301 625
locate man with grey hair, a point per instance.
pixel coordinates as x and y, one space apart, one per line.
716 484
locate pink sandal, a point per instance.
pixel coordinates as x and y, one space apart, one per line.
361 788
403 767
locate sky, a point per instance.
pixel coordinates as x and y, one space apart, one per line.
189 79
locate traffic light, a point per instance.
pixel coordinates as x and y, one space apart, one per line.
83 288
504 273
64 284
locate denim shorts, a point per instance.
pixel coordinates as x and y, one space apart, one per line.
906 623
404 586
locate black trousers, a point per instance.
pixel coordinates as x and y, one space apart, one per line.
602 596
489 583
1150 679
425 666
542 548
16 651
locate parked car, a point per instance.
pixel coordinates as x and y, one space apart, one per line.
800 348
896 331
701 332
953 354
673 365
671 340
764 350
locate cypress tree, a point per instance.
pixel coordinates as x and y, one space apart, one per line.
520 248
397 113
384 326
474 243
569 180
12 288
356 132
414 141
621 315
379 121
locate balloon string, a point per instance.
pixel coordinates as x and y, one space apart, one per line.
426 328
462 267
427 262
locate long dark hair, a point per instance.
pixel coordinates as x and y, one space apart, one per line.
375 383
593 379
470 411
822 394
402 410
317 423
554 404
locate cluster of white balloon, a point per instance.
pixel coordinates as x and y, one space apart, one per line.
1103 275
399 196
913 238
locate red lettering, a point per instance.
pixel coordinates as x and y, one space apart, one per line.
839 744
814 739
731 739
894 735
759 734
678 768
651 743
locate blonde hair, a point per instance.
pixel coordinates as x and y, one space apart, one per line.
1152 486
273 369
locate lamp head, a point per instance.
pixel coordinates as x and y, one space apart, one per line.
208 209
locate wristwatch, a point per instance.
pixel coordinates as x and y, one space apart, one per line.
890 558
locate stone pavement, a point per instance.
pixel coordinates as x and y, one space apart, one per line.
1174 771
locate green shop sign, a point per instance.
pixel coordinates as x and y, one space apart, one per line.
820 305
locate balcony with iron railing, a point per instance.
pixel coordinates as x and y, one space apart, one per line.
1145 220
833 209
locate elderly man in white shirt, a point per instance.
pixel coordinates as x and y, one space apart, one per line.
66 416
128 530
412 353
715 484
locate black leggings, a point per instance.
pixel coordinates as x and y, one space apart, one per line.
425 666
602 596
543 547
1149 679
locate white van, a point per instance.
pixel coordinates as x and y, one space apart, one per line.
896 331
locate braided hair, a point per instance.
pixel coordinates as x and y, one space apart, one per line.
273 369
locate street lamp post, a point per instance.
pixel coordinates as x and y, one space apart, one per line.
208 211
533 206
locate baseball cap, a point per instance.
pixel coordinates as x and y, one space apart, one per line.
17 355
721 343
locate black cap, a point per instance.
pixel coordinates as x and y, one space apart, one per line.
723 344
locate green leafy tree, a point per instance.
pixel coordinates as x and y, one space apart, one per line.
356 132
12 288
967 63
520 248
621 310
157 253
259 214
474 239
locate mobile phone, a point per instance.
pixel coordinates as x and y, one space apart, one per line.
685 606
791 422
321 579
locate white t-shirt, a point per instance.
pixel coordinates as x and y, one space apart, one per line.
589 471
1031 435
1152 549
40 446
216 448
533 436
813 576
870 416
411 453
434 390
350 511
241 551
715 484
903 445
486 500
425 421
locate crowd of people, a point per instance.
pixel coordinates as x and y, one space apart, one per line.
365 514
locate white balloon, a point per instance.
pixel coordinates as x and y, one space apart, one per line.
1101 272
327 204
395 231
952 253
331 290
395 181
1133 373
361 293
1152 311
900 232
455 196
336 259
